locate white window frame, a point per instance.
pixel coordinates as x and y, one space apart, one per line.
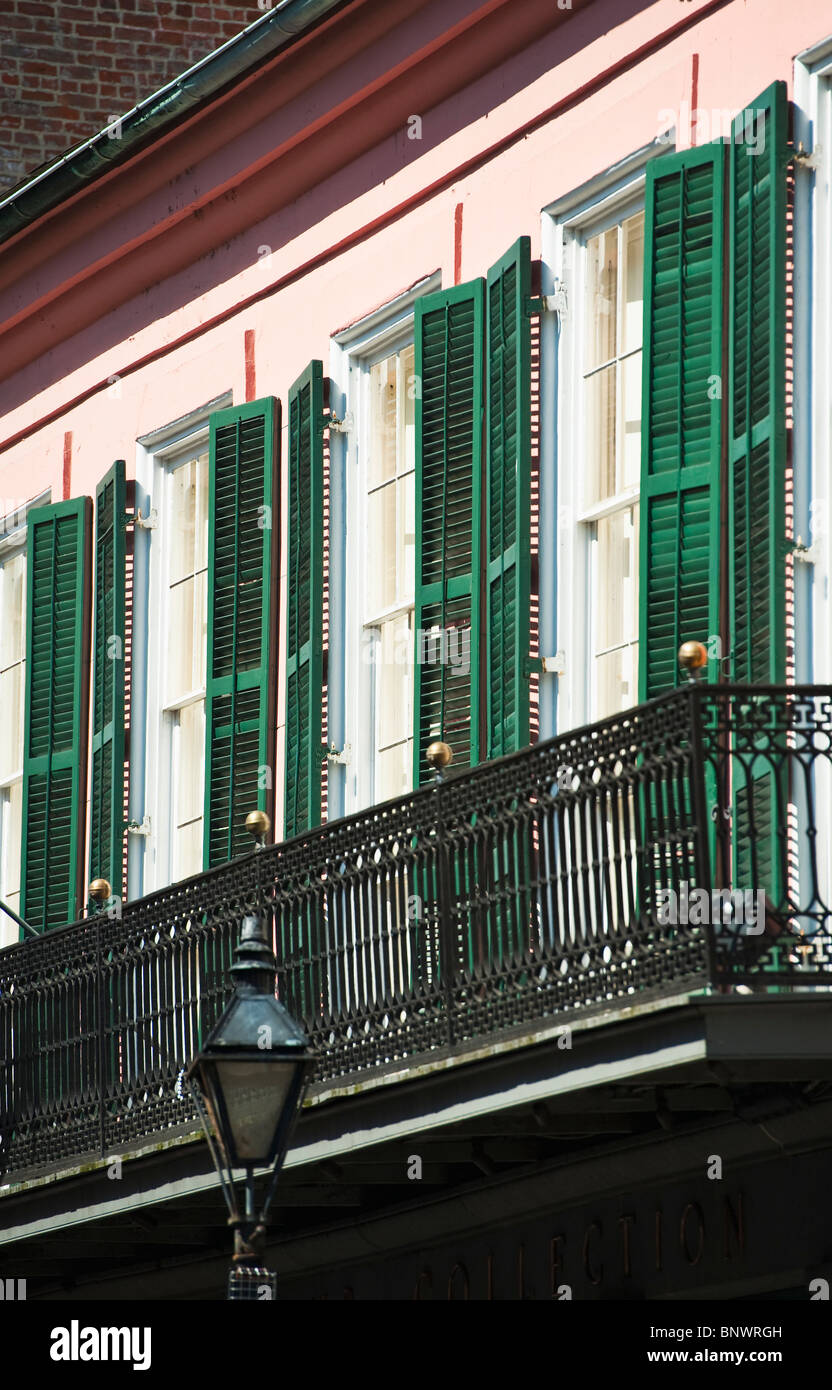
812 404
12 543
353 352
157 454
568 224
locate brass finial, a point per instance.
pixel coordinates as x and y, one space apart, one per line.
100 890
258 825
439 755
692 657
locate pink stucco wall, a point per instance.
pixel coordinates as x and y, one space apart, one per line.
177 339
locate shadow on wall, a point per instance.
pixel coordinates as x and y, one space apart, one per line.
310 183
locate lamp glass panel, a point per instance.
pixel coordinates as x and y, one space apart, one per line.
255 1094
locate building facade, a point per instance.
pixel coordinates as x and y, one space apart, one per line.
417 373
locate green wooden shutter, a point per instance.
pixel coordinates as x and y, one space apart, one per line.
57 711
508 467
304 634
448 370
757 389
681 411
107 753
242 578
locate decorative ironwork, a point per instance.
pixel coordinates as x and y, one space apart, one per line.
530 888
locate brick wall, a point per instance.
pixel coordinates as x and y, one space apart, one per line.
66 69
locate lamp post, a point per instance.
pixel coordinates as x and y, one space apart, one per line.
248 1081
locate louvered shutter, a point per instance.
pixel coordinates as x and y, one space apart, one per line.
57 711
304 630
757 389
107 752
448 369
508 472
681 411
242 609
756 477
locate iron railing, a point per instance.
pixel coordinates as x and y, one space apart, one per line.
553 882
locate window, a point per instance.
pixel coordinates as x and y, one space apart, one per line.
613 299
184 625
375 618
12 692
387 638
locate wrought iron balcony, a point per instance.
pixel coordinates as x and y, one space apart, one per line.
603 866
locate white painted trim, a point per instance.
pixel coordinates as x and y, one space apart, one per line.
812 434
150 857
609 198
353 351
362 330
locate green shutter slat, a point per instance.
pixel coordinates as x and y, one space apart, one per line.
304 628
107 750
757 165
242 613
681 411
508 469
449 370
57 711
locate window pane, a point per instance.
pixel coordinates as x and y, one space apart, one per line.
616 602
600 425
393 776
633 279
190 758
200 645
183 491
630 469
201 555
187 850
381 549
395 670
601 291
383 422
13 616
12 818
180 641
12 692
407 410
616 681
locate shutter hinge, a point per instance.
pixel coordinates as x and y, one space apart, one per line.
336 755
134 827
807 554
807 159
345 426
548 303
147 523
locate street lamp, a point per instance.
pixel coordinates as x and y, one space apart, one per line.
248 1081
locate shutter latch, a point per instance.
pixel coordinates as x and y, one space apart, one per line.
147 523
335 755
808 159
345 426
537 665
548 303
807 554
134 827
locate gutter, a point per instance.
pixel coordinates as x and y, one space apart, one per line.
117 141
